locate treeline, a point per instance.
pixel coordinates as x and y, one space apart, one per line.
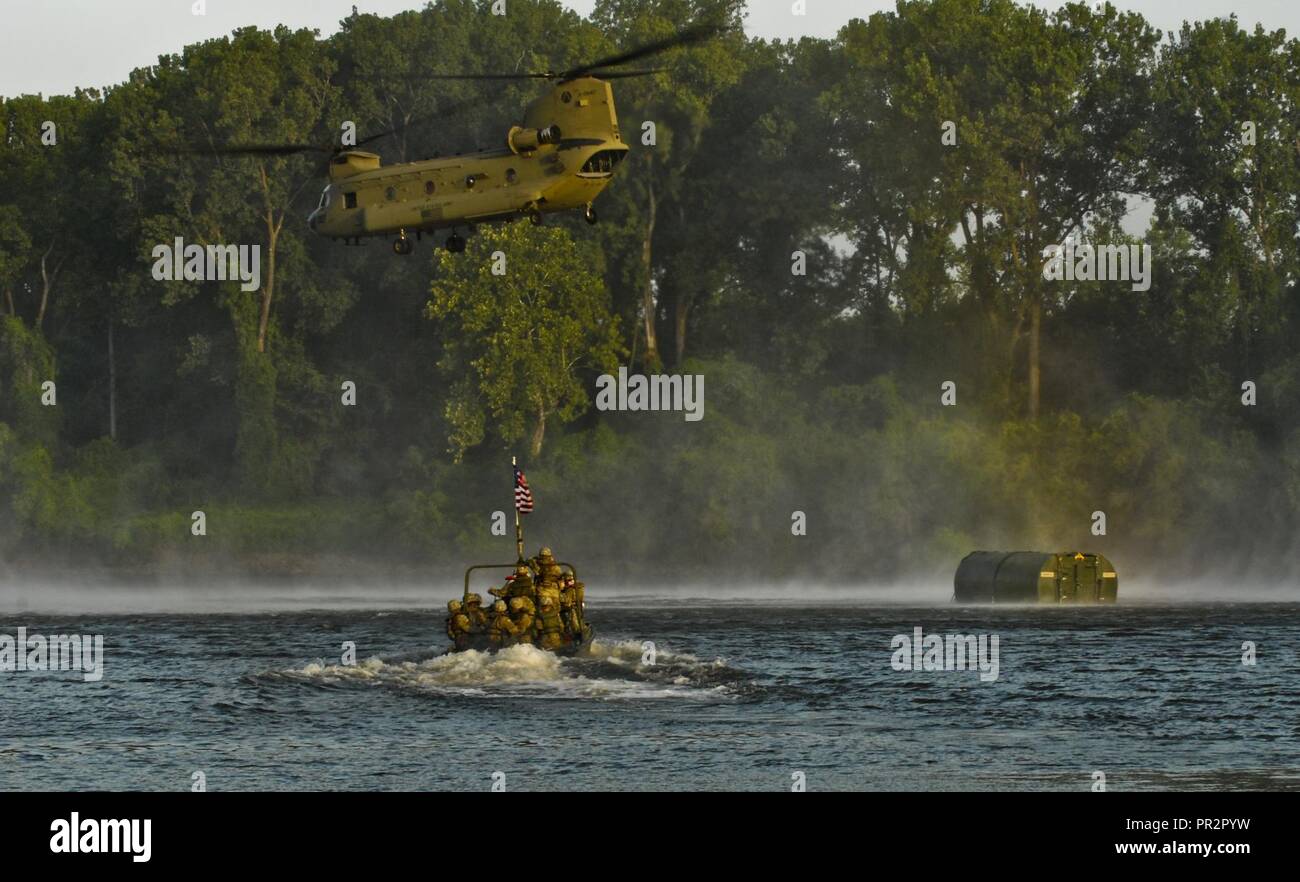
827 230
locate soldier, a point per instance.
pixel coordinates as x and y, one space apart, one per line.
478 620
580 609
545 565
570 612
548 592
458 625
522 585
552 628
518 583
522 613
502 631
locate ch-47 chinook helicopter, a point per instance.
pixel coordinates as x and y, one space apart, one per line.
561 157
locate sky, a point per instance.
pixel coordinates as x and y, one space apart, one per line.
52 46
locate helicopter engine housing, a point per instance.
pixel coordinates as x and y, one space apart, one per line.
522 140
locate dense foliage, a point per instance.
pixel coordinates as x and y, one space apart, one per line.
923 265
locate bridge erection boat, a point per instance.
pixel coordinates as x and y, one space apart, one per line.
541 603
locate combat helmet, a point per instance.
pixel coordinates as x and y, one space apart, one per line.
473 599
453 606
499 606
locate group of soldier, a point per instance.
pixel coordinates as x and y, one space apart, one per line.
539 604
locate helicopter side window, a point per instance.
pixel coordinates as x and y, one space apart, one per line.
349 200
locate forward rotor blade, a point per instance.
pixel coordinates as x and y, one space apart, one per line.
442 113
624 74
250 150
504 76
690 36
687 37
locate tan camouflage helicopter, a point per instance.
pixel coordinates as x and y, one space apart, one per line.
561 158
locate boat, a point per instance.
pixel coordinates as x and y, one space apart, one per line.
548 602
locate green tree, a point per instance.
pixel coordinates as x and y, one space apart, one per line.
1225 167
654 184
1049 112
519 342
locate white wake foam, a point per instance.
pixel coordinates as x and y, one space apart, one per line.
528 671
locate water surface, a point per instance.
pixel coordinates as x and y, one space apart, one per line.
742 695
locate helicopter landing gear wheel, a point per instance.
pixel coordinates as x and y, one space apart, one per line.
535 217
455 243
402 245
590 215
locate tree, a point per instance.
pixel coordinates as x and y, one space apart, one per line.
1226 167
1049 113
655 178
519 342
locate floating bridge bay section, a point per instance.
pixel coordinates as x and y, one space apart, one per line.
1035 577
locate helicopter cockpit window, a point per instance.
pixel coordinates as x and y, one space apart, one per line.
324 200
602 163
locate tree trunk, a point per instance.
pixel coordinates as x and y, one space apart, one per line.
268 284
9 300
273 228
681 309
47 283
112 384
1035 331
539 432
651 359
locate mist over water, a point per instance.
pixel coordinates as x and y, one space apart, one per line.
70 597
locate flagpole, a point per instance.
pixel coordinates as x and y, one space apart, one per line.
519 527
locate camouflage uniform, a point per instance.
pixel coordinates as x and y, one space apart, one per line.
546 567
478 620
522 613
457 625
548 593
502 631
522 585
552 628
570 611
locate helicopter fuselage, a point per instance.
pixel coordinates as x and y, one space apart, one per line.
561 158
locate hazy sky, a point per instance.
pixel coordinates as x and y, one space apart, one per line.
50 46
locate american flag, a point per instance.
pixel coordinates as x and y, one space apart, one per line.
523 496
